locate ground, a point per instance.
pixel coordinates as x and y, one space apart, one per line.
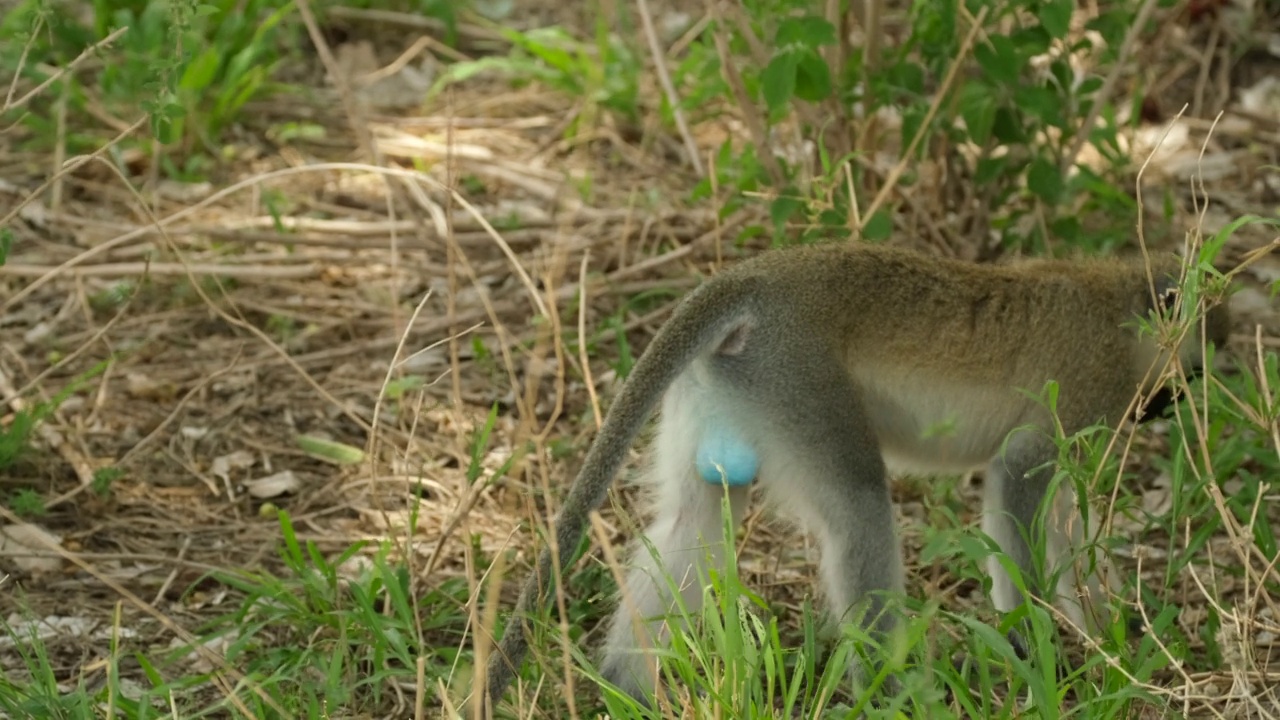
205 327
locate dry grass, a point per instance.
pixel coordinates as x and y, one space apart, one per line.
283 303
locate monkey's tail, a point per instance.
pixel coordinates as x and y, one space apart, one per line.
701 322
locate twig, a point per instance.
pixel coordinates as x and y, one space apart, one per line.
71 166
355 120
660 67
236 319
165 222
891 180
752 119
582 342
1120 63
22 61
91 50
131 269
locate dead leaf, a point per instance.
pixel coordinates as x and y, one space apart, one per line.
22 543
273 485
224 464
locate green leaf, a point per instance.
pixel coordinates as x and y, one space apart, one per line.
999 59
1007 127
227 105
1044 180
808 31
829 219
778 80
162 127
978 108
935 25
1214 245
783 208
906 75
1112 25
1089 85
879 226
397 388
1068 229
813 78
1061 71
243 63
202 70
1041 102
1055 16
335 452
990 168
1031 41
27 503
546 45
912 119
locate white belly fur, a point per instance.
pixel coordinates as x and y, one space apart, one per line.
925 429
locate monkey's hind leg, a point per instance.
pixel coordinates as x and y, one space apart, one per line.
827 469
687 539
1016 485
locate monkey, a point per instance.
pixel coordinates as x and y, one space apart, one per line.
816 370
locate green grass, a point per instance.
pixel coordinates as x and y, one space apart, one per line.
358 632
189 68
337 634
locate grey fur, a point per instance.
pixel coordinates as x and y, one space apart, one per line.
834 360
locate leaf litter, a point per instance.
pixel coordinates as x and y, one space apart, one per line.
329 264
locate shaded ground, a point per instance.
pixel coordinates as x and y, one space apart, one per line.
243 336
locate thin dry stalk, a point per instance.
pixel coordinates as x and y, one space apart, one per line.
891 181
59 74
71 166
229 271
664 79
1108 85
751 115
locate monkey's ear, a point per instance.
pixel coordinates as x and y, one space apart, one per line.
1167 292
736 341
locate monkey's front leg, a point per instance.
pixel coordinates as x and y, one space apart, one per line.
1016 486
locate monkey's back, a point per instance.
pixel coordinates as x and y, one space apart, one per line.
910 319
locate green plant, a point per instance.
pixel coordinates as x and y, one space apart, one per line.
15 438
34 689
27 503
104 478
1009 126
605 74
324 636
190 66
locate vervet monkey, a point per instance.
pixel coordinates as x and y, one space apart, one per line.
813 370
